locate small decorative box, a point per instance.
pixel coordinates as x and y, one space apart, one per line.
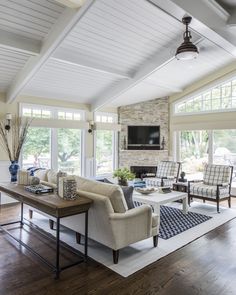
67 188
59 175
24 177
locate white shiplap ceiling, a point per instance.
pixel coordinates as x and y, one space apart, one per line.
108 52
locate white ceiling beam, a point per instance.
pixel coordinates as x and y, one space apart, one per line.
153 64
14 42
75 59
162 84
67 21
209 19
71 3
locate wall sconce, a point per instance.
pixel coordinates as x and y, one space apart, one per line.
91 126
8 119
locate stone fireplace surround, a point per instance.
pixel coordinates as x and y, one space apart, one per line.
152 112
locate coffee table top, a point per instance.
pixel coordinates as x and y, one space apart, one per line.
159 198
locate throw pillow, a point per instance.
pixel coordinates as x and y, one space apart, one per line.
128 193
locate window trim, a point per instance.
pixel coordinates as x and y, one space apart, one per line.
114 153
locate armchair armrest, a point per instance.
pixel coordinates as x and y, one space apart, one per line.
132 226
223 184
195 181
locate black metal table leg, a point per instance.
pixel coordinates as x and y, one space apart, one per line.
86 237
21 214
58 249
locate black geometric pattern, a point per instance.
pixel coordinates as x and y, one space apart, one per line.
174 222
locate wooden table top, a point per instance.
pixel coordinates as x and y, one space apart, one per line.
49 203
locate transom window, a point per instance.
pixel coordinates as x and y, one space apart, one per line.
221 97
49 112
101 117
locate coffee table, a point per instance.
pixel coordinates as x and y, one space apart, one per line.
157 199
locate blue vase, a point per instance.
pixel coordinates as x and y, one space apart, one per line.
13 168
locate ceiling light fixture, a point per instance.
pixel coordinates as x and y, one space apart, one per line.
187 50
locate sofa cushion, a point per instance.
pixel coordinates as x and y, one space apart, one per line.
127 191
41 174
113 192
52 176
216 174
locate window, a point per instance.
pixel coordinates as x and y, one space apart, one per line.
101 117
69 150
50 112
105 151
224 148
37 148
59 149
36 112
200 147
221 97
194 151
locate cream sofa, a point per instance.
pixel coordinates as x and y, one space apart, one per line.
110 221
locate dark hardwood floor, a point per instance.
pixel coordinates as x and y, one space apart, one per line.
205 266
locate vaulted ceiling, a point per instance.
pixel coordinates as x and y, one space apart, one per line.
110 52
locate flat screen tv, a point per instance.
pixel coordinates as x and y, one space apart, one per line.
143 137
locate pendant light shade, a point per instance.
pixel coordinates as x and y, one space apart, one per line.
187 50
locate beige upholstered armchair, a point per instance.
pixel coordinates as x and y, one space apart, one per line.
167 174
215 186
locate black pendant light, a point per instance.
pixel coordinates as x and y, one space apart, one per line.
187 50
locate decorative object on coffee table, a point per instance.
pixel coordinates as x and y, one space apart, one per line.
67 188
123 175
12 140
146 191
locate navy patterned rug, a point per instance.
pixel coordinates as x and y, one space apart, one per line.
174 222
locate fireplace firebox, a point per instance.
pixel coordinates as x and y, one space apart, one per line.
144 171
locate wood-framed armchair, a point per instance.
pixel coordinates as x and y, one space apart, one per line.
167 174
215 186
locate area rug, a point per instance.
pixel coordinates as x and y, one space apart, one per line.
174 221
136 256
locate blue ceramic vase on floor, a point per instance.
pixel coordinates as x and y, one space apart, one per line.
13 168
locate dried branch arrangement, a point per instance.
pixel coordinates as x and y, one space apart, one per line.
12 141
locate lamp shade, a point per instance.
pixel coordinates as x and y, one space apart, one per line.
187 50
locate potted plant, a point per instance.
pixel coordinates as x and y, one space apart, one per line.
123 175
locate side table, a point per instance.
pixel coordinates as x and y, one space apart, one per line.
180 187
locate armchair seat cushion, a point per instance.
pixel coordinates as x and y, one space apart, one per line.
156 182
208 191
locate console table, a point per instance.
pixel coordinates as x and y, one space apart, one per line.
53 205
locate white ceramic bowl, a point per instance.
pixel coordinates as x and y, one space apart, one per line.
146 191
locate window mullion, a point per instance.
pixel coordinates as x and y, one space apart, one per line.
54 149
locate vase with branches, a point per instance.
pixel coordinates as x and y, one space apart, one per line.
12 141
